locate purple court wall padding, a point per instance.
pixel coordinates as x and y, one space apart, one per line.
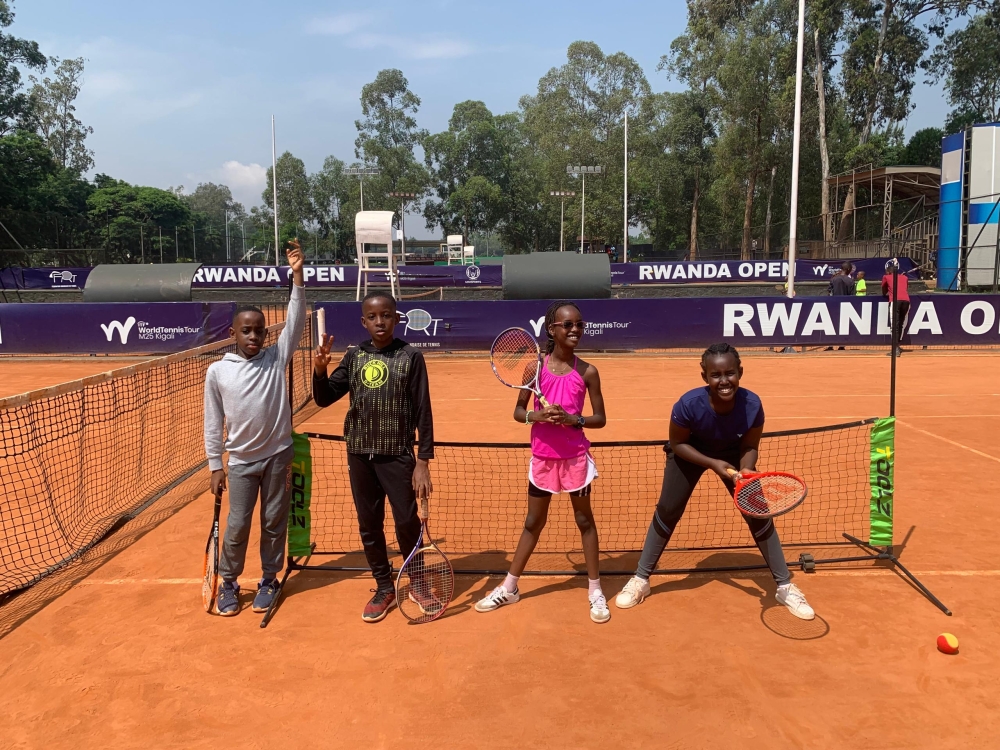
652 272
934 320
112 328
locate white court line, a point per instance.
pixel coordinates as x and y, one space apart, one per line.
951 442
736 573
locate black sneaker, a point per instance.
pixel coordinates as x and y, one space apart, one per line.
228 602
379 606
267 590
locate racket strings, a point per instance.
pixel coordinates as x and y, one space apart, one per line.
426 586
769 495
515 357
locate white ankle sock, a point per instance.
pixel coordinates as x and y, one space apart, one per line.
510 583
594 585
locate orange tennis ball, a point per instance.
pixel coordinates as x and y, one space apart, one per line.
947 643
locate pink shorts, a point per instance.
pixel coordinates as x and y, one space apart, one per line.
555 475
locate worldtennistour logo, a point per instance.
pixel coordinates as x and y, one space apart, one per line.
123 329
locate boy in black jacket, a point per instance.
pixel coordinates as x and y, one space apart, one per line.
387 382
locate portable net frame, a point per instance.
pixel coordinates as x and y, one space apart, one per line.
478 505
78 460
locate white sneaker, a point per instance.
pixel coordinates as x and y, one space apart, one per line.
795 600
634 592
599 611
497 598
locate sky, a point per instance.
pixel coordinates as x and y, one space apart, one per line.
183 92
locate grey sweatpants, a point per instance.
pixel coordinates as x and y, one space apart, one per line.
272 480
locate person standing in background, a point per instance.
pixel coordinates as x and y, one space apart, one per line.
861 286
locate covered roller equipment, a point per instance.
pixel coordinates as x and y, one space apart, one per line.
169 282
557 276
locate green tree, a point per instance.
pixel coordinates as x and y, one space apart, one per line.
295 208
924 148
131 216
577 118
387 136
335 200
968 62
469 164
15 53
55 113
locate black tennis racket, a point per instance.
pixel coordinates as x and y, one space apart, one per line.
517 360
210 584
426 582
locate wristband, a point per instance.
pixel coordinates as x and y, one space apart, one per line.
527 417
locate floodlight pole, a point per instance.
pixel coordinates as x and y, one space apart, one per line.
562 195
228 252
625 202
403 197
582 171
796 138
274 184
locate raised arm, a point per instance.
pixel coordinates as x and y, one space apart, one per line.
295 320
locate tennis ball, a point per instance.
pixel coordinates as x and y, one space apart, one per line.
947 643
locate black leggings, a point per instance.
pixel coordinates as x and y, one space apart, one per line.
372 478
679 480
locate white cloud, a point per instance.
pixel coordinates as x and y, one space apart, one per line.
338 25
424 47
246 181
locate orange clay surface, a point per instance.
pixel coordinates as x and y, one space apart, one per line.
22 375
123 656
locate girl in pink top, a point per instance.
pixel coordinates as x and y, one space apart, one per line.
560 459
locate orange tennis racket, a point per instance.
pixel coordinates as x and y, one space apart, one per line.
767 494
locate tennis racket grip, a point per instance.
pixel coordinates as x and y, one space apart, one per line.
422 509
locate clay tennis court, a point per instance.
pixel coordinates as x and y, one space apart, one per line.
115 650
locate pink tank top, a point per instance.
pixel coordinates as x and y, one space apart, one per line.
559 440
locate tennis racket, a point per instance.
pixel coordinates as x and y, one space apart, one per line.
517 360
426 582
767 494
210 585
320 325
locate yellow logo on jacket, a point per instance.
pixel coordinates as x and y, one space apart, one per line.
374 373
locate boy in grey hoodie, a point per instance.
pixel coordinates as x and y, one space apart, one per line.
247 394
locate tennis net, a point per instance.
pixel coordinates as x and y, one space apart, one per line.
479 500
79 459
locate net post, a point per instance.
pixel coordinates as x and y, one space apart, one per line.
895 326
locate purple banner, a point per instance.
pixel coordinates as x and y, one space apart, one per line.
749 271
346 276
235 277
114 328
43 278
934 320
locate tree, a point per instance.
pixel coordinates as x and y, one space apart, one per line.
295 208
15 104
335 201
214 200
468 163
968 61
130 214
387 135
884 45
924 148
55 113
577 118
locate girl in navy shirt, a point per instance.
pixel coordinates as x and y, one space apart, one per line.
717 427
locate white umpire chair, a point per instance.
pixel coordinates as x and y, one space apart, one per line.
374 229
455 247
469 255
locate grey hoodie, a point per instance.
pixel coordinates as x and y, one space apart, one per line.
249 397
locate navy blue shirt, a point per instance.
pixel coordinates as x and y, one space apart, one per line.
717 435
